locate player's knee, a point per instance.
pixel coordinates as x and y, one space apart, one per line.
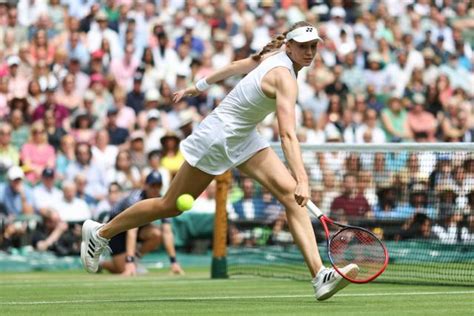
169 204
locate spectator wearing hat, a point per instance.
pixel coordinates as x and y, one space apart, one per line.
136 97
46 194
118 135
196 45
137 149
82 128
103 152
447 193
153 130
83 163
418 202
125 250
395 121
430 71
375 75
421 121
123 68
17 82
9 155
61 113
37 154
172 159
101 31
388 201
15 196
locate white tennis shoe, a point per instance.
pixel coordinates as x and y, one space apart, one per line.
92 246
328 282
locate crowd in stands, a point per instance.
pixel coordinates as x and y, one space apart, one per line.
86 107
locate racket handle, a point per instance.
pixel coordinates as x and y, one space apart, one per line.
314 209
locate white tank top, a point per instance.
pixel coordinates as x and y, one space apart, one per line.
246 105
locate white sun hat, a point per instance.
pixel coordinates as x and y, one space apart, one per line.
303 34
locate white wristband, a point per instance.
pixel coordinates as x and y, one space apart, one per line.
202 85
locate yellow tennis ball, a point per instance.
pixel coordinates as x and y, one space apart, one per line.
184 202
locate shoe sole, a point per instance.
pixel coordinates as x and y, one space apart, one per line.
342 284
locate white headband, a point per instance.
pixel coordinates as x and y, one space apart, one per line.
303 34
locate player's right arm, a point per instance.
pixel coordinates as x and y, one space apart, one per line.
238 67
286 91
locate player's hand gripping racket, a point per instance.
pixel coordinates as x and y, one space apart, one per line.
353 245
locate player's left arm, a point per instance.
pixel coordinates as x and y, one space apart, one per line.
168 242
286 92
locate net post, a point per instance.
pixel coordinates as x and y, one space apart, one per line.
219 248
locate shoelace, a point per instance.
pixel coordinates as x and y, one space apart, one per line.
101 248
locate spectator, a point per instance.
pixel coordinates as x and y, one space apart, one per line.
99 32
350 204
154 164
37 154
123 68
418 203
421 121
118 135
249 207
65 155
82 128
20 130
46 195
81 183
395 121
9 155
124 173
96 178
102 211
104 153
136 97
72 209
69 95
61 113
171 155
15 196
126 117
417 227
49 236
137 149
388 200
54 132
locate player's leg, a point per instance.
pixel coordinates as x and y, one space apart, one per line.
95 236
267 168
116 265
188 180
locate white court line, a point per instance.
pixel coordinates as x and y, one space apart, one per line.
219 298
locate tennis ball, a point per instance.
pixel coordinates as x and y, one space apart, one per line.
184 202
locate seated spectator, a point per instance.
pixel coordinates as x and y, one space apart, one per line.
350 204
331 191
395 121
126 117
154 164
20 130
69 95
70 208
96 178
420 120
104 153
118 135
101 212
48 236
55 133
379 170
82 130
61 113
81 182
37 154
448 229
388 200
124 173
65 155
442 171
137 149
447 199
9 155
417 203
172 159
419 226
370 124
366 187
15 196
249 207
46 195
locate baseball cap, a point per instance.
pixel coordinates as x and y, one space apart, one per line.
154 177
15 173
153 114
13 60
189 22
338 12
48 173
303 34
152 95
137 135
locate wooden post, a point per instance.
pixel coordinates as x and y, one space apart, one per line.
219 248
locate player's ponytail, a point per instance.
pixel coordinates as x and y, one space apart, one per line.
275 44
278 41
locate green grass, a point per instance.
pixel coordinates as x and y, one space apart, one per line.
47 293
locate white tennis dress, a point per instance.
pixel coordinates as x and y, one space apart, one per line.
228 137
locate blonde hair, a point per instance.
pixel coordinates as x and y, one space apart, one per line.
278 41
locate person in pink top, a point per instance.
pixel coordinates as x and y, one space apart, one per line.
37 154
124 68
421 121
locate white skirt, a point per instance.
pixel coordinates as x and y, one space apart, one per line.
212 148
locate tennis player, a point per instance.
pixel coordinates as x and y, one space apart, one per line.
227 138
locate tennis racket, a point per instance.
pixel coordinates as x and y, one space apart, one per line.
352 245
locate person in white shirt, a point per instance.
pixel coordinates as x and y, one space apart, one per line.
71 208
46 195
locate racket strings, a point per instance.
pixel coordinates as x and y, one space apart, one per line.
357 246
